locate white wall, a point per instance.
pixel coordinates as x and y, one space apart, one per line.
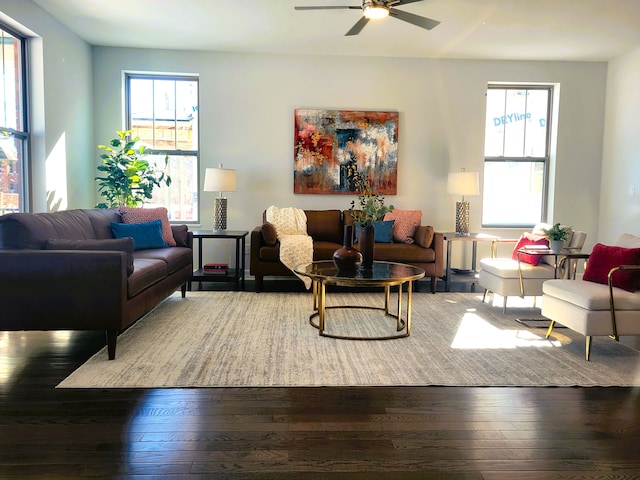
61 112
246 113
619 211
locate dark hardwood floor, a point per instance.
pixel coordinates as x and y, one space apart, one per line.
300 433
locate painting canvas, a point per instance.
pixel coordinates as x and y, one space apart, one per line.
330 144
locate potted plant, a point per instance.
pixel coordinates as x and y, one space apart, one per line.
556 236
368 209
129 179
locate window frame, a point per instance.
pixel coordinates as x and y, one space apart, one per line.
21 133
545 160
128 76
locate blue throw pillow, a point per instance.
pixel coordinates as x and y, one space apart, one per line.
145 235
382 231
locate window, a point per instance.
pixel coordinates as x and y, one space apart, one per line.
13 124
516 155
163 111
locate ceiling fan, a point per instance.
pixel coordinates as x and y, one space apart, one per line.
379 9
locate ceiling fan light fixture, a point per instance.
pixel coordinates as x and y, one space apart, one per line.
372 10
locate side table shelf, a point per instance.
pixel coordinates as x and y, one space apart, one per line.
235 274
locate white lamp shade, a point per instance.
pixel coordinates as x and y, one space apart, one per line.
463 183
219 180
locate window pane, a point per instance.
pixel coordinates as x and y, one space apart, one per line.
11 175
494 130
514 121
512 193
536 135
181 198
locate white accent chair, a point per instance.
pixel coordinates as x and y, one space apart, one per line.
591 308
508 277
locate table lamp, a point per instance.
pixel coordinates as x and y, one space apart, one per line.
220 180
463 183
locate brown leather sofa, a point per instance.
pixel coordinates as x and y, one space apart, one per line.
326 228
65 271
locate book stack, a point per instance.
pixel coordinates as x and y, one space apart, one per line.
215 268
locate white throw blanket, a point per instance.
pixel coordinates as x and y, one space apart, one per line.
296 246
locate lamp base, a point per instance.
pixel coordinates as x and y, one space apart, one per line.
220 214
462 218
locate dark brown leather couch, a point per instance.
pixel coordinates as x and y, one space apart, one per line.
326 228
65 271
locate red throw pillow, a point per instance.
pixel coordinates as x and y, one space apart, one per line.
529 239
603 258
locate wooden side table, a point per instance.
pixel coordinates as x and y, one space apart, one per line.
451 237
236 274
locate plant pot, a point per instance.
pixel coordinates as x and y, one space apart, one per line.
347 258
366 245
556 245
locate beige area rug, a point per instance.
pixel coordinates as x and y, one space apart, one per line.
240 339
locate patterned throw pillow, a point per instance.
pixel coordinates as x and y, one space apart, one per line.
406 224
140 215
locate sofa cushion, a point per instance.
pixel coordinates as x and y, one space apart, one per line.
145 235
603 258
424 236
32 230
110 244
181 235
325 225
147 271
101 218
403 253
144 215
176 258
269 234
406 224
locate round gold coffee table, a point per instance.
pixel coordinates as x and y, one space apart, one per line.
383 274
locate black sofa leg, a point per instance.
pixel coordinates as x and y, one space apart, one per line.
433 284
112 336
183 290
259 283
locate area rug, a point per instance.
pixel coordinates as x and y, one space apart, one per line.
242 339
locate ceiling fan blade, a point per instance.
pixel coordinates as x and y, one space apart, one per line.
417 20
404 2
327 8
357 28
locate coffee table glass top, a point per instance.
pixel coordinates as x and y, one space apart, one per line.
382 273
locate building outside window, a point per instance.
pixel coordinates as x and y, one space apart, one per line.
13 124
516 155
163 111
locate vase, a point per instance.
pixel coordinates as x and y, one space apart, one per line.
556 245
347 258
366 244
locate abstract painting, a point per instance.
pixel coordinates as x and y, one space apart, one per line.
329 144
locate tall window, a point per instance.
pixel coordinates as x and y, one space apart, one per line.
13 124
516 155
163 111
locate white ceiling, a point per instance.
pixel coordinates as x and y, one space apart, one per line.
582 30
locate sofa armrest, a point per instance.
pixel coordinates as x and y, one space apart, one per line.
256 241
56 289
438 245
